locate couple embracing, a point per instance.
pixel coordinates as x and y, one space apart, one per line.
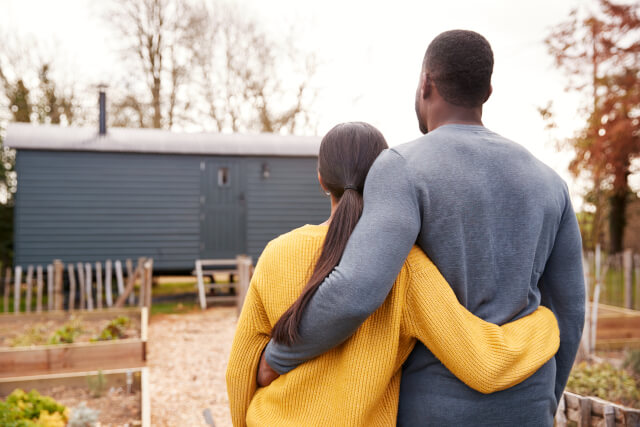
445 289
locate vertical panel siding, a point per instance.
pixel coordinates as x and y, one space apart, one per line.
87 206
82 206
288 199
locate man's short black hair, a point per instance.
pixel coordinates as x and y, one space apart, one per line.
460 63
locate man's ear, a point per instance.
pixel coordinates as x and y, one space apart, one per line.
488 93
425 90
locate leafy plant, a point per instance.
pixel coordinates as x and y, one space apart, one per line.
34 336
67 333
605 382
11 416
97 385
633 363
83 416
116 329
30 410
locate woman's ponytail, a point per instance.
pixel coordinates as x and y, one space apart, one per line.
346 154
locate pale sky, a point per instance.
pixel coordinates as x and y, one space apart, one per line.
371 53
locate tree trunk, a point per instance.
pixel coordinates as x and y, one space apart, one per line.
155 94
617 219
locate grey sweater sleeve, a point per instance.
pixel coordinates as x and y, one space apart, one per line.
376 251
562 290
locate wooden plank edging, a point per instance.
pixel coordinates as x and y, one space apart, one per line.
593 411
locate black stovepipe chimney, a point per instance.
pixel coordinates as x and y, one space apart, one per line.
102 102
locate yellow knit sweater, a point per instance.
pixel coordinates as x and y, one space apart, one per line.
358 382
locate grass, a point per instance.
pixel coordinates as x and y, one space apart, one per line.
171 307
174 288
612 293
23 303
177 288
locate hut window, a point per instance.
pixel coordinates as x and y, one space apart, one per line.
223 177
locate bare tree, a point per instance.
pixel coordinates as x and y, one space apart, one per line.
210 64
159 37
252 80
28 87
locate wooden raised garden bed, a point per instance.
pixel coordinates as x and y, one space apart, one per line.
121 399
592 411
128 352
618 328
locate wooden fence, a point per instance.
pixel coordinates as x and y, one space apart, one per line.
614 279
89 286
241 267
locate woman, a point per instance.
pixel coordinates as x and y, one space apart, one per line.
357 383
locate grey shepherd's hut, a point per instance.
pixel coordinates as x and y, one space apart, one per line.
175 197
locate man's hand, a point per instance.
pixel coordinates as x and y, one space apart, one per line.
265 374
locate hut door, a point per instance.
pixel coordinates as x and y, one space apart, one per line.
222 209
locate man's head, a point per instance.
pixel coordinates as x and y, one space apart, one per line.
456 74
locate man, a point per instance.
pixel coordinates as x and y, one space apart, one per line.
496 221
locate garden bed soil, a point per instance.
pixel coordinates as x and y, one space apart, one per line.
39 331
116 407
123 396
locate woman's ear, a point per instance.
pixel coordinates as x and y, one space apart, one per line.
322 184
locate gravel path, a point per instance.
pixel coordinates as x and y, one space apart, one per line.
187 360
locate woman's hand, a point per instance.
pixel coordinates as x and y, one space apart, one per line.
265 374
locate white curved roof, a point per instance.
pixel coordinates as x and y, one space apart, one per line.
24 136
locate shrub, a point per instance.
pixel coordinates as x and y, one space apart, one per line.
82 416
97 385
31 410
633 363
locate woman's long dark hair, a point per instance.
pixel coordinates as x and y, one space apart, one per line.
346 153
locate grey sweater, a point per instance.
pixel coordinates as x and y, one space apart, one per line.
499 225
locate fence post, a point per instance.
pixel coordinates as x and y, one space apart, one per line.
81 285
201 294
58 267
99 285
39 286
244 279
88 278
7 289
148 271
636 266
143 284
16 290
131 273
119 277
72 287
107 283
585 345
27 300
131 282
50 287
596 299
627 261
